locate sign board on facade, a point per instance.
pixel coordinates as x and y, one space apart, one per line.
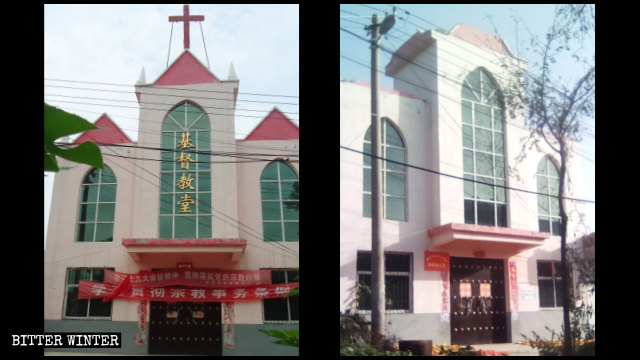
436 261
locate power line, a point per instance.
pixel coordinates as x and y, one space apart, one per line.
431 71
199 152
276 243
461 178
155 103
159 109
170 88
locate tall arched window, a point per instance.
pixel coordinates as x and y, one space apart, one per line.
279 190
483 151
394 193
185 174
548 182
97 206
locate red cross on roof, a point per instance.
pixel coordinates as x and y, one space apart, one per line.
186 18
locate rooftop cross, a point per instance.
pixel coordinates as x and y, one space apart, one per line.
186 18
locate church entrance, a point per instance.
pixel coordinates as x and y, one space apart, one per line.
478 313
185 328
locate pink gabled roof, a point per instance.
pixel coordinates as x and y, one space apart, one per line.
107 133
480 38
186 70
276 126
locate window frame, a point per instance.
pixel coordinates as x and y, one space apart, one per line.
83 206
286 272
170 170
385 170
556 280
66 295
362 271
281 201
546 175
474 102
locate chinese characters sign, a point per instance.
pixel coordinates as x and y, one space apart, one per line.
191 277
436 261
184 182
513 283
94 290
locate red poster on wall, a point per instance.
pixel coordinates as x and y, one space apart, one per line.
436 261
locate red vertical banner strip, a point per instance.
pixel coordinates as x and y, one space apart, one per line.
513 281
141 335
445 311
228 332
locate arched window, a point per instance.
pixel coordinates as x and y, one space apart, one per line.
548 182
185 174
279 190
394 193
483 151
97 206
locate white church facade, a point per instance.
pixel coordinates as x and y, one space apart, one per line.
190 234
469 258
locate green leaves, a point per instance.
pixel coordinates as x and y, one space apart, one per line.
287 337
59 123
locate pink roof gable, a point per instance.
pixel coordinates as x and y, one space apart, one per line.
108 133
275 126
186 70
480 38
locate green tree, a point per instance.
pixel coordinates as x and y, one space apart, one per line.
556 107
59 123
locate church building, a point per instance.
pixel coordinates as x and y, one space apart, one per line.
470 229
186 242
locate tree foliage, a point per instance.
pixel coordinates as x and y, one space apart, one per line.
59 123
556 104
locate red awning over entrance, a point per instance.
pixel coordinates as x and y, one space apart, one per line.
507 241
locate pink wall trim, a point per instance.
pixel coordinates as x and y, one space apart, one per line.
488 230
183 242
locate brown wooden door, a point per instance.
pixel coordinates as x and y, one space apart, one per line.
478 312
185 328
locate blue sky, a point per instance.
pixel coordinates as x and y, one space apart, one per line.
490 18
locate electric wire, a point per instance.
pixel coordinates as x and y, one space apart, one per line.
252 233
461 178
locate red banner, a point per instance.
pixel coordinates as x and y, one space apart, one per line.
191 277
95 290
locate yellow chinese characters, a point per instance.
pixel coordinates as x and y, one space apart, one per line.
184 160
185 142
185 182
185 201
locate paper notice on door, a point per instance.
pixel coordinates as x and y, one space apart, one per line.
485 290
465 290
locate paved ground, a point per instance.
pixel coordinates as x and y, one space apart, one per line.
513 349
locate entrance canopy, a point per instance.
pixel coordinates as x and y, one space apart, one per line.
138 247
507 241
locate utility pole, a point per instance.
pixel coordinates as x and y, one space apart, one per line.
377 251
